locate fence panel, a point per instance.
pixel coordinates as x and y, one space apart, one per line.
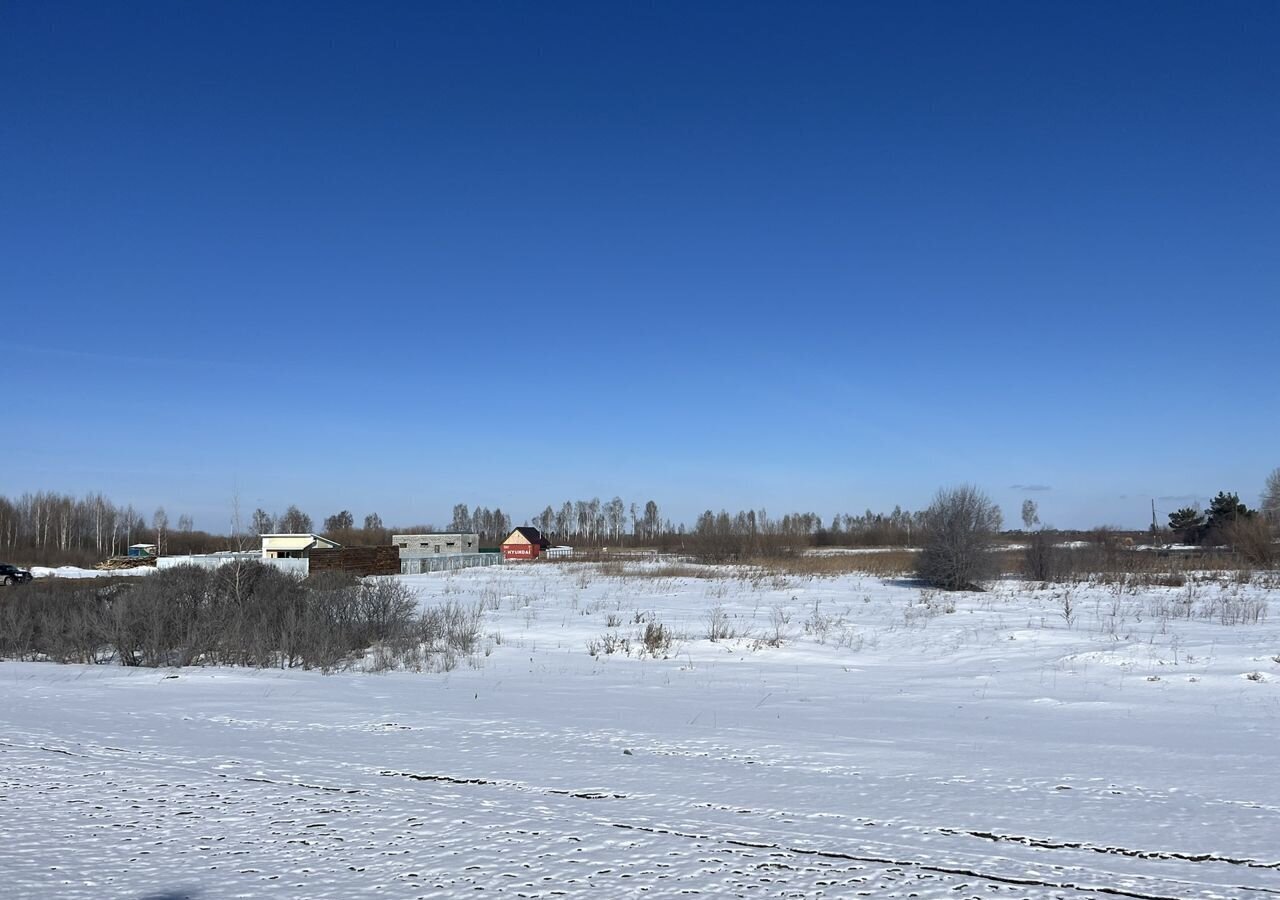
450 562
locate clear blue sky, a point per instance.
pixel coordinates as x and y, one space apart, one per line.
821 256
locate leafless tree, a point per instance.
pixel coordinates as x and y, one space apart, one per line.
294 521
341 521
1250 536
1041 556
955 551
461 522
262 522
1030 514
1271 499
160 522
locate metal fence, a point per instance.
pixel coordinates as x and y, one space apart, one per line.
448 562
214 560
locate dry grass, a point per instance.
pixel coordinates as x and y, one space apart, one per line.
890 563
1090 564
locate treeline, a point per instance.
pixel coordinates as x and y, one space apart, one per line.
341 526
753 533
592 523
48 528
491 524
614 522
1230 522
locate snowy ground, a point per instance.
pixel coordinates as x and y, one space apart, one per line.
77 572
1024 744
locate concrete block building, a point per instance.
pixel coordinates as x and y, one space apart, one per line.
417 546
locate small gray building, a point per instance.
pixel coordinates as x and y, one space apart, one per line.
420 546
417 546
423 553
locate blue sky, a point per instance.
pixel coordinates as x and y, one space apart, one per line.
817 256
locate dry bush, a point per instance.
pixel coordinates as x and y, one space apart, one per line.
719 628
960 527
656 639
887 564
1041 557
1251 538
608 644
240 614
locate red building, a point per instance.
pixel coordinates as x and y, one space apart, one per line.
525 542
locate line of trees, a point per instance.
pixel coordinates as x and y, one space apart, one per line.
52 528
491 524
598 524
614 522
49 527
1230 522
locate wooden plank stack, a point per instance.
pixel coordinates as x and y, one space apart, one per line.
362 561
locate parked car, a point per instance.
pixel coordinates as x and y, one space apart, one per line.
13 575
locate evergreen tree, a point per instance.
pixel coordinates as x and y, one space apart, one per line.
1188 524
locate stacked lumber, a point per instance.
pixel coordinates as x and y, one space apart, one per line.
362 561
125 562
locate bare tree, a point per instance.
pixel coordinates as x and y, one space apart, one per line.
616 515
160 522
1271 499
1030 514
955 551
461 522
1041 557
294 521
1250 537
262 522
650 524
342 521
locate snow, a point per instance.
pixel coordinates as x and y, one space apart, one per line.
858 736
77 572
854 551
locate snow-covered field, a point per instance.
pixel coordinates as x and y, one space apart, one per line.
77 572
857 737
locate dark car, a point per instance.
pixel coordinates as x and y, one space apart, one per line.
13 575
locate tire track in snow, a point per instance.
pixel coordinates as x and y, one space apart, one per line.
934 868
155 762
1046 844
995 837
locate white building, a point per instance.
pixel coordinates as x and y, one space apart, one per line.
294 546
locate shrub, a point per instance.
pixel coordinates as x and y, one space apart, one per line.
1251 538
718 626
656 638
1040 558
240 614
960 526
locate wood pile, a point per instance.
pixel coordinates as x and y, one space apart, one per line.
362 561
125 562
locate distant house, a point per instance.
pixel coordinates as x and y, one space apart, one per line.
144 550
417 546
525 542
294 546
